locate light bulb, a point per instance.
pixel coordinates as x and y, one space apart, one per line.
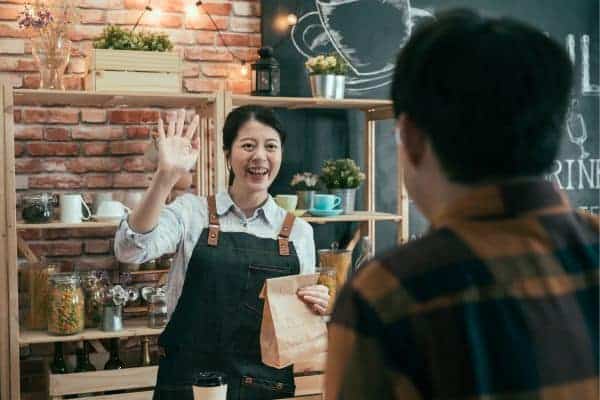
292 19
191 10
244 69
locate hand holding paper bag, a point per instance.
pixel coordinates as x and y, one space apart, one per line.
290 330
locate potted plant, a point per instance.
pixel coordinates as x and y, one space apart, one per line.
327 75
126 60
342 177
306 185
47 24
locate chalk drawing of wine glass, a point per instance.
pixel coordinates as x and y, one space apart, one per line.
577 130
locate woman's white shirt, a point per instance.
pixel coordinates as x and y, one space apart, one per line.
181 223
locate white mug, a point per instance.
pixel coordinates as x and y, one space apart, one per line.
71 208
111 209
101 197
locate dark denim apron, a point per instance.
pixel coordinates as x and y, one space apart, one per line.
216 323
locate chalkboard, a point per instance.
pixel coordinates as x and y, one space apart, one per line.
369 33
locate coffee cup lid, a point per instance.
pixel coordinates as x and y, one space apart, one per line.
209 378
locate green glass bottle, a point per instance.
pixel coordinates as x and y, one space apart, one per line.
58 365
114 362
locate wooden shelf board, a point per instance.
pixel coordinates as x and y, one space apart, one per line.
149 271
358 216
62 225
132 327
311 102
79 98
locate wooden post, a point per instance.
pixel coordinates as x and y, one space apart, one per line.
402 202
9 305
368 228
223 105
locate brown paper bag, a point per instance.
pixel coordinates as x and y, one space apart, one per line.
290 331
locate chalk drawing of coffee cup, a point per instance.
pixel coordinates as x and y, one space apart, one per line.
366 33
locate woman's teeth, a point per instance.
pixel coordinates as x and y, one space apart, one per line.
258 171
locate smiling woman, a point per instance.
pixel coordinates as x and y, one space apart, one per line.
226 247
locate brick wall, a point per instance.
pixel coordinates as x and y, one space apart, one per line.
208 65
90 150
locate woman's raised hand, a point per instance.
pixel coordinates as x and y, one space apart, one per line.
177 151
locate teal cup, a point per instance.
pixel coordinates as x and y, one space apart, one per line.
327 202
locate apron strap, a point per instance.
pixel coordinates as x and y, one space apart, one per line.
213 222
284 234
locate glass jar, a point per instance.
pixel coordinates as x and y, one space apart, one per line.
327 277
37 208
93 285
66 314
339 259
157 311
36 278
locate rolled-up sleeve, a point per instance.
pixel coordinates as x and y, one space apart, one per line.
303 238
135 247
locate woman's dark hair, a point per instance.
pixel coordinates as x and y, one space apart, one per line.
490 93
238 117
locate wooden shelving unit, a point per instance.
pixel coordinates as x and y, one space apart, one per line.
212 108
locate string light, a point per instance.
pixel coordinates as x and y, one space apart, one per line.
191 10
292 19
146 8
243 65
286 21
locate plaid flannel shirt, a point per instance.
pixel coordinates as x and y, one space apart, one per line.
498 301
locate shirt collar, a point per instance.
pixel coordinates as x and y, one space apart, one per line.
225 204
504 200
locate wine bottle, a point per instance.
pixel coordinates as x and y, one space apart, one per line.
145 355
114 362
83 359
58 365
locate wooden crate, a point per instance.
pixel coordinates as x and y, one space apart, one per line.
308 378
134 71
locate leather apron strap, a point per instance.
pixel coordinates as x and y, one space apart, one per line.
284 234
213 222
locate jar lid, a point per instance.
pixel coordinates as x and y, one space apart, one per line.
64 277
209 378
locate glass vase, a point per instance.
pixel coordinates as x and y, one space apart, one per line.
51 55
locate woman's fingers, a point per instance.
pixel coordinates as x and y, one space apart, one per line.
180 122
316 300
313 289
193 127
318 309
161 129
171 128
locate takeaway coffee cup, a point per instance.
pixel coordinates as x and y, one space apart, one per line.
287 201
327 202
210 385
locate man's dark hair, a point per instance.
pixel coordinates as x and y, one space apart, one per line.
490 94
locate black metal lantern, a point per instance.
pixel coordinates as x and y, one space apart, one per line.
265 74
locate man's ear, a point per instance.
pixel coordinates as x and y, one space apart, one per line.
412 138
